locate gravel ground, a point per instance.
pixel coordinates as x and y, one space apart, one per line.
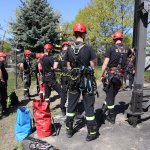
120 136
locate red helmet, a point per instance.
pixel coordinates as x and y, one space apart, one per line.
2 54
65 43
117 35
27 52
48 46
79 27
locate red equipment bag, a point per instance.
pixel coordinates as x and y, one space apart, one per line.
42 118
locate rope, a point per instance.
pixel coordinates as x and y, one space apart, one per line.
69 75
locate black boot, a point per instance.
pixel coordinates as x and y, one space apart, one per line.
5 112
103 115
37 89
104 108
111 117
92 133
1 111
26 95
69 129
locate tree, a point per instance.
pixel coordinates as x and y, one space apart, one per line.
103 18
6 47
35 25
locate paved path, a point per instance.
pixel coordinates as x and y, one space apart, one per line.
120 136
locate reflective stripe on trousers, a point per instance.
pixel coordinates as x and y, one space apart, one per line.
26 89
90 118
70 114
111 107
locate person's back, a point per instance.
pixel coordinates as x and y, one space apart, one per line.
81 62
84 55
25 67
114 52
115 63
47 63
61 66
48 73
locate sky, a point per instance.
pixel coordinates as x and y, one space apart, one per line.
67 8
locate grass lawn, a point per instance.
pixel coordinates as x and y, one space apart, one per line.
11 82
147 75
97 72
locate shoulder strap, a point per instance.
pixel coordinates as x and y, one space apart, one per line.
75 50
61 56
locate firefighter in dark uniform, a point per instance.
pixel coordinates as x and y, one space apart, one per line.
115 63
37 56
130 70
61 63
39 75
3 85
25 67
38 70
48 73
81 60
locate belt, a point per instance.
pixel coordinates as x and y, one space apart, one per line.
26 72
116 70
48 74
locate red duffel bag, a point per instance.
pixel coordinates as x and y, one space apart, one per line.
42 118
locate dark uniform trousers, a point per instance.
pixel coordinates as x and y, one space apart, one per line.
3 96
27 83
88 102
50 83
131 80
112 90
64 90
131 77
110 96
37 82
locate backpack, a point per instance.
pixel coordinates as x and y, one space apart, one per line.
23 123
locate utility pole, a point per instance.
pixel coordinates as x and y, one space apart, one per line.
139 43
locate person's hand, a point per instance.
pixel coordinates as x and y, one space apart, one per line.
101 77
2 81
47 101
69 68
